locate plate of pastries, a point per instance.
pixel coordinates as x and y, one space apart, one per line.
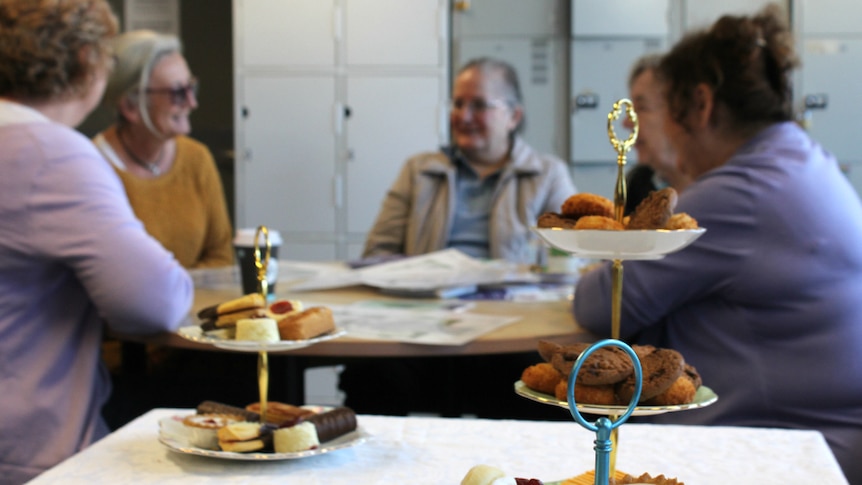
249 323
287 432
605 382
586 226
491 475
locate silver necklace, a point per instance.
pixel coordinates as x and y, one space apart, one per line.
152 167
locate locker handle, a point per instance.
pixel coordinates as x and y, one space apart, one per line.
816 101
587 101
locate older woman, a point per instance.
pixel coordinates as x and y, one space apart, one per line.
72 252
171 180
481 195
766 304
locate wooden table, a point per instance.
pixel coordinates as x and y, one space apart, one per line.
539 320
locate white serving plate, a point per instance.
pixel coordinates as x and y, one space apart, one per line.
194 333
628 244
704 397
175 436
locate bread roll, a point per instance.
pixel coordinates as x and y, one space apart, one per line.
257 329
300 437
307 324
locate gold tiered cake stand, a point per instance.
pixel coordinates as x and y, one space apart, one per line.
262 251
615 246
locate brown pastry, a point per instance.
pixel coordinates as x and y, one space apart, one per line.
584 204
542 377
280 413
681 221
690 372
647 478
600 223
682 391
213 407
314 322
660 369
245 302
654 211
552 219
607 365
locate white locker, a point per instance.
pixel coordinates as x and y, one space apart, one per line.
620 18
600 71
396 33
829 43
508 18
289 163
382 132
332 96
829 17
700 14
285 33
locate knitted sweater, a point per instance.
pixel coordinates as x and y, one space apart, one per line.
185 207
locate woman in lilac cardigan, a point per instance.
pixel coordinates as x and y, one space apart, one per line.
767 304
72 253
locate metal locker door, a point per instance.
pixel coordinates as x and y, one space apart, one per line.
287 156
600 69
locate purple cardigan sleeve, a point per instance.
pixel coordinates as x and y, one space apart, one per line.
83 217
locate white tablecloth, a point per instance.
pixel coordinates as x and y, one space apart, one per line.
418 450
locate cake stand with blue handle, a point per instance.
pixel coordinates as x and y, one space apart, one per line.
604 427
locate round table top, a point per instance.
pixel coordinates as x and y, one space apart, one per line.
550 320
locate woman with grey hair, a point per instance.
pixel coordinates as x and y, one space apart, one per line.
163 170
72 254
482 194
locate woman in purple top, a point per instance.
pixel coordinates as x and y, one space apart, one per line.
72 253
767 304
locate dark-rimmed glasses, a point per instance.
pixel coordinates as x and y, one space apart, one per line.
179 95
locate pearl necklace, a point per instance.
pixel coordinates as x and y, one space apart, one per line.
152 167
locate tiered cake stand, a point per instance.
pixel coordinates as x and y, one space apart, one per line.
616 246
261 260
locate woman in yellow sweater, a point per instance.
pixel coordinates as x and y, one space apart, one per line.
171 180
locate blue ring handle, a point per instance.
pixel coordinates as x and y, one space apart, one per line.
603 426
570 392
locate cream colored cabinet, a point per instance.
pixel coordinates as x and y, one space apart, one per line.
331 97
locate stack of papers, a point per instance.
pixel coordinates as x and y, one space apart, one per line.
441 274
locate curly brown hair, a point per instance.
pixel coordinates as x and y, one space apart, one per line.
50 49
747 62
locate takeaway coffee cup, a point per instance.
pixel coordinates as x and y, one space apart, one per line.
243 244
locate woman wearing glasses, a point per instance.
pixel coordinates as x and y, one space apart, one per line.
482 194
171 180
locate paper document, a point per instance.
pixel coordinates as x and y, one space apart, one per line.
440 269
418 325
